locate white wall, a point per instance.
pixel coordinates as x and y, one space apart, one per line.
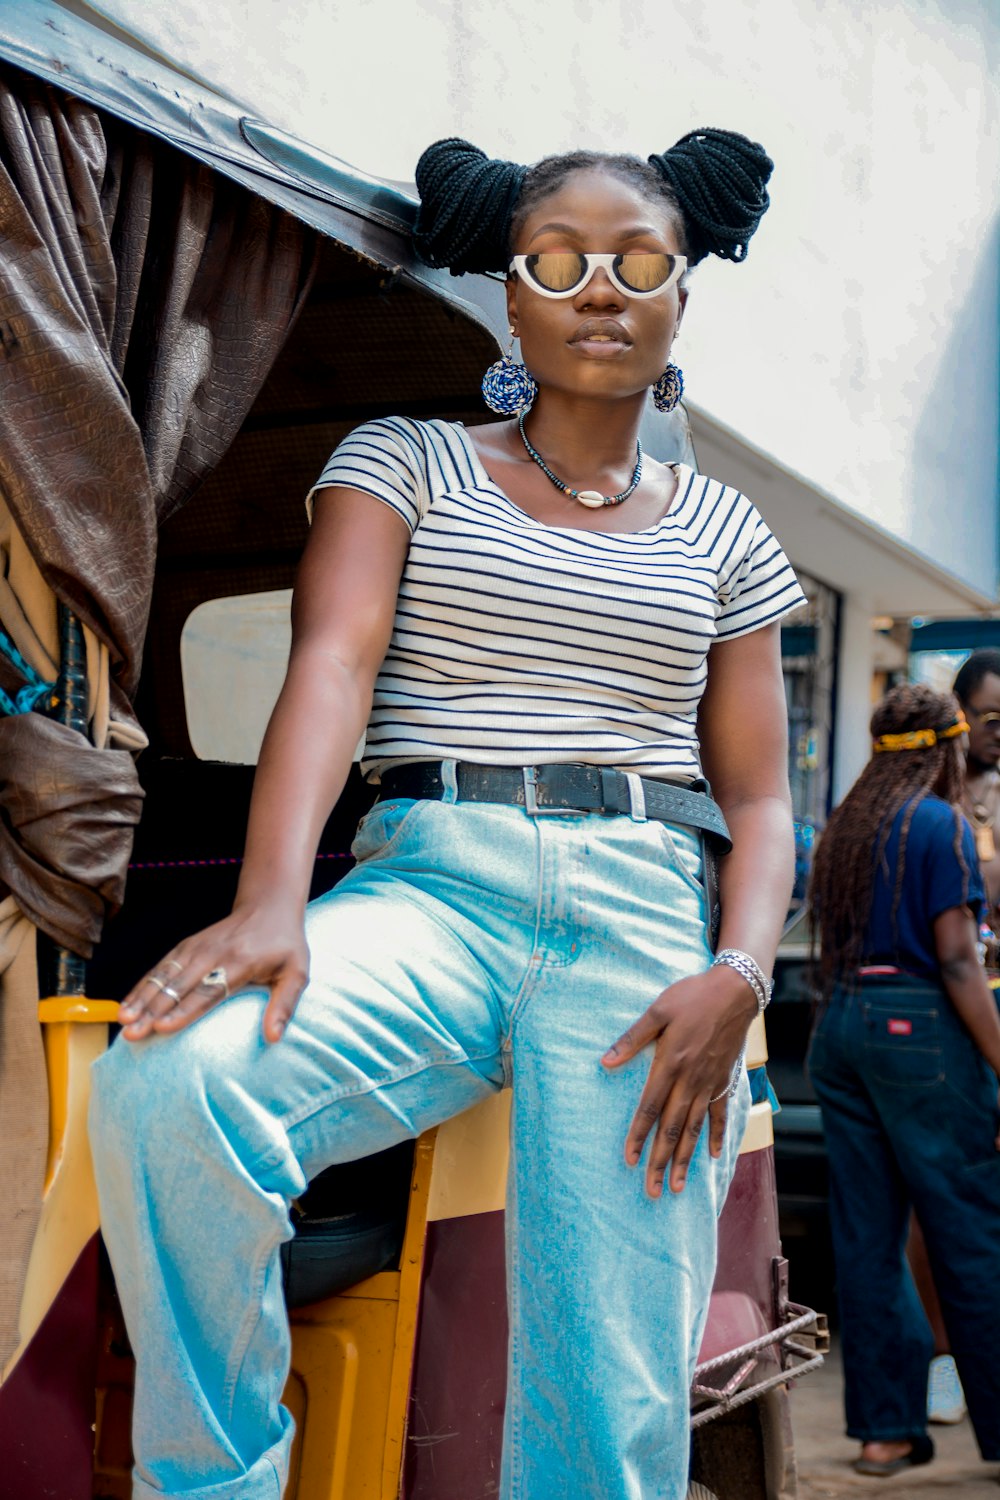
859 343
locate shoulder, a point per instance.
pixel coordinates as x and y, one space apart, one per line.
706 495
934 821
403 433
723 520
755 582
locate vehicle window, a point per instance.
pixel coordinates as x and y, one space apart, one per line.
233 657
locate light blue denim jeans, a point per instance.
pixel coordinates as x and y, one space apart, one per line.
470 947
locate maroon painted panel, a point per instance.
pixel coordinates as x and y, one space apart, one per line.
748 1232
47 1404
459 1373
460 1365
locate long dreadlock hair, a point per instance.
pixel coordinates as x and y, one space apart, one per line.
854 843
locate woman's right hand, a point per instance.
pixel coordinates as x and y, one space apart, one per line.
255 947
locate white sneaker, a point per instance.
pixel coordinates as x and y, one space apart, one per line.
945 1397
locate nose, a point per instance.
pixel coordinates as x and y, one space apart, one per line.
600 291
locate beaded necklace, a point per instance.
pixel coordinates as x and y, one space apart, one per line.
591 498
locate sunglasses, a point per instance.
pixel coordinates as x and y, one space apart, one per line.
563 273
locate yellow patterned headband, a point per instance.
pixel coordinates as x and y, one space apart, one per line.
919 739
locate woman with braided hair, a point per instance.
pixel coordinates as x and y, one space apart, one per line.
904 1058
548 640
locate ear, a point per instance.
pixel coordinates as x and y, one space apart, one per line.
682 297
511 292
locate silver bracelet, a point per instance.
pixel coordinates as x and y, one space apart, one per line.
732 1086
750 969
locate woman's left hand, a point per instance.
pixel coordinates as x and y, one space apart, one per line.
698 1026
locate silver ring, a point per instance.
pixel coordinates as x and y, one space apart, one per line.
170 994
173 963
216 979
160 984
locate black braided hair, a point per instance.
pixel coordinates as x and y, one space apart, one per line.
466 201
719 179
472 206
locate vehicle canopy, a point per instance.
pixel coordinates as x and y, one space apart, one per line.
192 304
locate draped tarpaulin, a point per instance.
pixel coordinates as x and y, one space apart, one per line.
143 299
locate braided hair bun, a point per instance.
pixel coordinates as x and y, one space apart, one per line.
466 202
470 204
719 179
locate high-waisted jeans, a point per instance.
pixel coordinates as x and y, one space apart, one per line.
910 1118
471 946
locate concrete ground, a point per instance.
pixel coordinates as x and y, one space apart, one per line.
825 1454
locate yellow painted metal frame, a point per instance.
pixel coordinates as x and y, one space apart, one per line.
352 1357
75 1034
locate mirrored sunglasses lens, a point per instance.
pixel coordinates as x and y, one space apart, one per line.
645 272
557 271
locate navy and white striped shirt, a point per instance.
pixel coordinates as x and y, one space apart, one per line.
517 643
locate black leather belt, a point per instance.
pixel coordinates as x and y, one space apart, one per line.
561 788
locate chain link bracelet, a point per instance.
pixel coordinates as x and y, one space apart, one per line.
750 969
734 1082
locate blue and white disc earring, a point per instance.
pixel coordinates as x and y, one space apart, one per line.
669 389
507 386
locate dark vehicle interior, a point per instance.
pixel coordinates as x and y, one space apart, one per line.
364 346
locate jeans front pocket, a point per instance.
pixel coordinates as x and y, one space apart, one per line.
382 828
903 1043
683 850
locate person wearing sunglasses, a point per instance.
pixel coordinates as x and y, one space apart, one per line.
977 688
549 640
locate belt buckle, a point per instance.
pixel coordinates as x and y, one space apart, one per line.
529 775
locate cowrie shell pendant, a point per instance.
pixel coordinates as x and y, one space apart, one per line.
592 499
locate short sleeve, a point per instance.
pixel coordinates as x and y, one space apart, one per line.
757 583
947 883
385 459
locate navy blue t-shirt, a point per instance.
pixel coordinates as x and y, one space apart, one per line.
933 882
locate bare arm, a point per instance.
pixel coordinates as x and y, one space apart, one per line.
743 726
342 616
965 980
699 1024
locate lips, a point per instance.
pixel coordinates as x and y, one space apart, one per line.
598 333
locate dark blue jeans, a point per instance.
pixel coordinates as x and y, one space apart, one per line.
910 1118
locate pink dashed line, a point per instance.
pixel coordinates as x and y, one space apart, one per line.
191 864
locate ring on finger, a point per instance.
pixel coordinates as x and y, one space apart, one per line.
171 994
216 979
173 963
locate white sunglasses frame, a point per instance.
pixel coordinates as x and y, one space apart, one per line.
519 264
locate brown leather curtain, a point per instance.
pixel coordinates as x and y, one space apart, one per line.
143 300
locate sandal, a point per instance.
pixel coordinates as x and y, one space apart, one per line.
921 1452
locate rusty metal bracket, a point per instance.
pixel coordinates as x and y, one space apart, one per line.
799 1342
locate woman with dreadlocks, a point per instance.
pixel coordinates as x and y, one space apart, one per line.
539 627
904 1059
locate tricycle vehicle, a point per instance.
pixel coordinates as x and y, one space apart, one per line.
194 308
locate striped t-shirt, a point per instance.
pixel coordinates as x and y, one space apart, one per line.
517 643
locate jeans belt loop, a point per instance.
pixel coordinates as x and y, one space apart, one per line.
449 781
611 791
636 797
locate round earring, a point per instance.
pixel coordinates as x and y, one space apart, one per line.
669 389
507 386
